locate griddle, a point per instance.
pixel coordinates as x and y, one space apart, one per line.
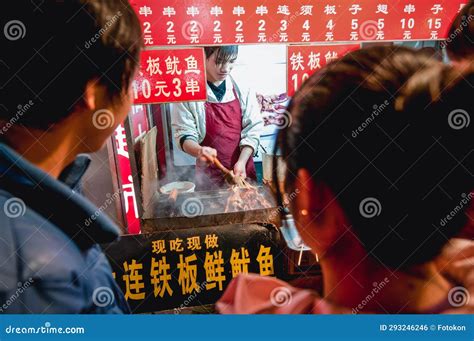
165 214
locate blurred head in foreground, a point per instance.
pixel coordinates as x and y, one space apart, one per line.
66 69
55 75
380 154
460 41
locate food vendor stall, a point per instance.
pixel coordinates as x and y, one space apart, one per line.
182 246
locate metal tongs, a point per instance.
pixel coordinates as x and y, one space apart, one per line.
229 175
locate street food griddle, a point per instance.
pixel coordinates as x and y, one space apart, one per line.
204 209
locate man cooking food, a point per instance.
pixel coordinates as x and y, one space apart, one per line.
226 127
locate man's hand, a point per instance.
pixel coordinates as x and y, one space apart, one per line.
240 169
207 154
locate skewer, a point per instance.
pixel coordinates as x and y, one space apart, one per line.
301 254
230 176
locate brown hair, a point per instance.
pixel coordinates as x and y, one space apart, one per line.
382 123
224 54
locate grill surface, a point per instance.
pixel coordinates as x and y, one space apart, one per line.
203 209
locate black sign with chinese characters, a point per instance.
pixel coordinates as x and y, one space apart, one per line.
191 267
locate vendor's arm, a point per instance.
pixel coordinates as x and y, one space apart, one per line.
184 120
240 167
252 123
194 149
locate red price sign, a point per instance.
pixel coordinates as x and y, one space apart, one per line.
304 60
127 190
168 76
216 22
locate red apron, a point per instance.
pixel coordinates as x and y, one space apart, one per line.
223 133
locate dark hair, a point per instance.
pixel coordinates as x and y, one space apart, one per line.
460 41
224 54
51 50
383 126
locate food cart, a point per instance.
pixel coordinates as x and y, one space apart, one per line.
181 247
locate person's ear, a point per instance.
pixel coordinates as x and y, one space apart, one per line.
90 95
321 221
303 186
302 203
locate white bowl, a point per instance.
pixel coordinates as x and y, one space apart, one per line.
180 186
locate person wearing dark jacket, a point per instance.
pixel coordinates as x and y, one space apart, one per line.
65 73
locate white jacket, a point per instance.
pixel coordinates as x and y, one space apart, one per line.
189 119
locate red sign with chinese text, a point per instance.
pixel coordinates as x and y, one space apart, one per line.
216 22
304 60
168 76
127 189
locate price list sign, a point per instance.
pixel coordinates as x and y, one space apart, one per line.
168 76
216 22
304 60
